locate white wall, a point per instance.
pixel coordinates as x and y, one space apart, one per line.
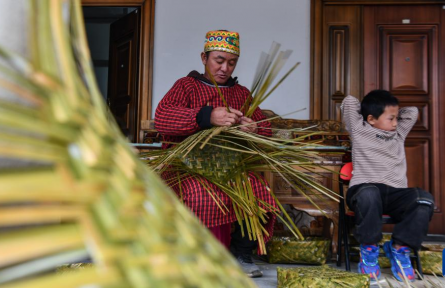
13 34
14 26
180 28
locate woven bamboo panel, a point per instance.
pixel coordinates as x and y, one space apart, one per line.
323 276
292 250
212 161
431 262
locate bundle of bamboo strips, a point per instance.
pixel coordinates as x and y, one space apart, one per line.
71 188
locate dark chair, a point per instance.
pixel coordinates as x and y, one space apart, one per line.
346 219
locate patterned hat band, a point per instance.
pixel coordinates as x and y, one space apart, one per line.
225 41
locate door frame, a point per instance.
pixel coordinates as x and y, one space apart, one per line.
146 47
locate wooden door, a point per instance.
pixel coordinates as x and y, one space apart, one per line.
401 48
123 73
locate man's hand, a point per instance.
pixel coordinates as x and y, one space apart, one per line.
252 128
220 116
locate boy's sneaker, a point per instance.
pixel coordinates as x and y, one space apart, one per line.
399 260
369 261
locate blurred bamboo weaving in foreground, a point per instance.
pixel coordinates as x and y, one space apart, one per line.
70 187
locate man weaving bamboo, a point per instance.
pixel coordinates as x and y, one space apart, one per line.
193 104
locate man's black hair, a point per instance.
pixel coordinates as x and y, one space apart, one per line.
375 102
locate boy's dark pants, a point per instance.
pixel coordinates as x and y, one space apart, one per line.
410 208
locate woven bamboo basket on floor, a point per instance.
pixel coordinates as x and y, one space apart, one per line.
288 249
322 276
431 258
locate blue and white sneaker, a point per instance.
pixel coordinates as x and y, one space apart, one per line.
369 261
399 260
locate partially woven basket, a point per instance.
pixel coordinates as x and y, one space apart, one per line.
212 161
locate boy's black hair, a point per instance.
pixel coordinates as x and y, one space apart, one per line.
375 102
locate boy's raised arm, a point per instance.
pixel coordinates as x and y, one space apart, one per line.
350 110
407 119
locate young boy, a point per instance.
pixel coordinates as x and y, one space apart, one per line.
379 185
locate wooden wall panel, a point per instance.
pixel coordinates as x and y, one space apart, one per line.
338 55
341 73
339 67
417 155
403 51
405 67
416 14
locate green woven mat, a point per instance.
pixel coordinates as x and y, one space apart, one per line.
312 250
321 276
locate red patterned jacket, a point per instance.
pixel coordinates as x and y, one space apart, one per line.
175 119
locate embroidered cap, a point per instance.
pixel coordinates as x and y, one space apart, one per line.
221 40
